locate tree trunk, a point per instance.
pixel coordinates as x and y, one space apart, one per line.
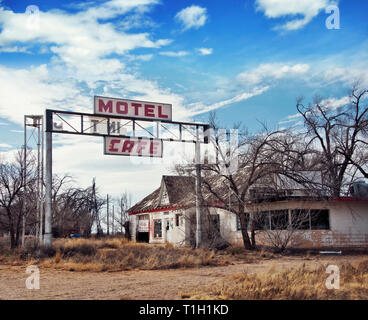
244 227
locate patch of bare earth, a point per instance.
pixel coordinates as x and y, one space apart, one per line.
141 284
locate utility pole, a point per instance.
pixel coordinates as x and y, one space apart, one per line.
113 220
108 225
198 189
24 181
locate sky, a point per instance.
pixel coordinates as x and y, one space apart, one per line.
248 60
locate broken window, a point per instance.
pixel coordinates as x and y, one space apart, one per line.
157 228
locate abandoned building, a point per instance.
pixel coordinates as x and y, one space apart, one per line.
168 215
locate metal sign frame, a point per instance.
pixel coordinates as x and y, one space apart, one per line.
82 131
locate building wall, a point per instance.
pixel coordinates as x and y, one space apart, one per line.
348 225
174 235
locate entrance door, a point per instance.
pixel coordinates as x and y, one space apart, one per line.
166 230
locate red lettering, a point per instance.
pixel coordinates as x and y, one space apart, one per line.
160 114
153 147
128 146
136 106
118 110
141 146
104 107
149 110
112 143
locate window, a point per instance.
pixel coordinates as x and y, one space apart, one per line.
177 220
215 221
157 228
279 219
310 219
261 220
238 224
300 219
143 217
320 220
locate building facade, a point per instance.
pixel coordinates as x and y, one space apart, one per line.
168 215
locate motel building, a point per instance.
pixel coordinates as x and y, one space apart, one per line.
168 215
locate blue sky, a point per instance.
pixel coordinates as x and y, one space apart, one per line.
247 59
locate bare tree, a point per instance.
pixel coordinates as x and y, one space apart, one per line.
12 194
121 219
338 134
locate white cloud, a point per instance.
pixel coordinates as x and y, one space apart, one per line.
80 40
192 17
272 71
5 145
290 8
334 103
30 91
200 108
15 49
174 53
205 51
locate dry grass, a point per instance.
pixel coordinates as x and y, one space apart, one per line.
110 255
295 284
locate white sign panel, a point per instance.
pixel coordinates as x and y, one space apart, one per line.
132 108
99 125
144 147
143 225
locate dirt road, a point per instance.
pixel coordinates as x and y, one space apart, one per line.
155 284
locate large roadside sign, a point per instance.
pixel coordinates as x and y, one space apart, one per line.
141 147
132 108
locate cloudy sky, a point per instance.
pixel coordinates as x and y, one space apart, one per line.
247 59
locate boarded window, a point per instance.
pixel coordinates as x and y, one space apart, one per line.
157 228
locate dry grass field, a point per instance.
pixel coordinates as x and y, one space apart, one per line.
118 269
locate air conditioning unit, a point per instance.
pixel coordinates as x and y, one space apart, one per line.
359 190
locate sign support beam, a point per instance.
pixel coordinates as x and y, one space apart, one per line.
198 193
48 211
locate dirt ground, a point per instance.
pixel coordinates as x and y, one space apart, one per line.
136 284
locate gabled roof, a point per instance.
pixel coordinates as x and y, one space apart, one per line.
177 187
